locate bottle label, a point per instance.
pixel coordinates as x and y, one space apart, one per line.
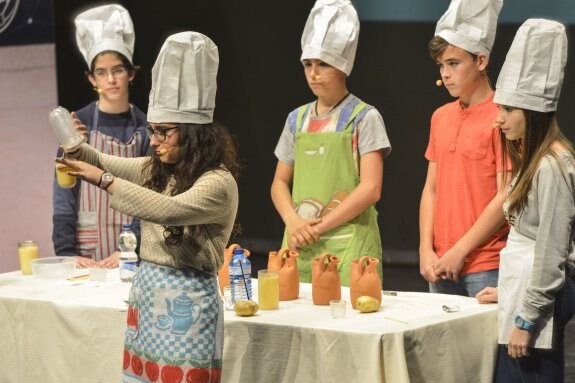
241 286
129 265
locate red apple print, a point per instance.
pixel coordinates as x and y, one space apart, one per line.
136 316
132 319
216 375
137 365
152 371
130 315
172 374
126 363
198 375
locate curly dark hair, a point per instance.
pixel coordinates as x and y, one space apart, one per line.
203 147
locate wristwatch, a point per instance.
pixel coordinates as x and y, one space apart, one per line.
523 324
105 180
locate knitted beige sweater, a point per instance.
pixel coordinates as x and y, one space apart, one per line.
211 203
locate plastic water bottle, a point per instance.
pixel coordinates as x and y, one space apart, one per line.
240 276
127 242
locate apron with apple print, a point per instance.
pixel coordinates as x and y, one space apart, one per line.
175 327
325 172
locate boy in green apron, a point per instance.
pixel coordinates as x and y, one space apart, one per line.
330 154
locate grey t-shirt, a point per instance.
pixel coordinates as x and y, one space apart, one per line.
372 134
548 219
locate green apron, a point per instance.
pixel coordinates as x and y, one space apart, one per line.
325 171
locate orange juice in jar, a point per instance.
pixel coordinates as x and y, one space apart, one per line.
27 251
65 181
268 290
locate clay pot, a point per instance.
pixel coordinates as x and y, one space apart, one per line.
284 262
364 279
325 282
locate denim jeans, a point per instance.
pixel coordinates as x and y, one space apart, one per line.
541 365
468 285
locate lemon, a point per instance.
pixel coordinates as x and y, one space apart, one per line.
246 308
367 304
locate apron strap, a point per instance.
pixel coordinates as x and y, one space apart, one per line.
301 113
351 124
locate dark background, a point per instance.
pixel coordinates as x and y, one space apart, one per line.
261 80
26 22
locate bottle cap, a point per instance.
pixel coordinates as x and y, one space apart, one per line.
238 250
126 227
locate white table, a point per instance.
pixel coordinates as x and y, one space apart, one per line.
73 332
61 331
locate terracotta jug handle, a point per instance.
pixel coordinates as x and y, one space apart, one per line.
322 259
362 263
230 250
234 246
281 255
372 261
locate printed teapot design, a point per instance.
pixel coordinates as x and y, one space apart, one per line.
183 313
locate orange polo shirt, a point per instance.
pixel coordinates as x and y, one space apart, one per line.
466 150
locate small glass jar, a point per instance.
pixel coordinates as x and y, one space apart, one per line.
27 251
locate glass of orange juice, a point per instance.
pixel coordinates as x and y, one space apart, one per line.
65 181
268 290
27 251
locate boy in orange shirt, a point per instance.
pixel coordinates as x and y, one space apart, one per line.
462 227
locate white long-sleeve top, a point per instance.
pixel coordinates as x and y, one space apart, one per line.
548 218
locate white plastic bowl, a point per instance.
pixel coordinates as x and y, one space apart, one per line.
53 267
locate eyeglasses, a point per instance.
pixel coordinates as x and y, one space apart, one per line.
116 72
158 134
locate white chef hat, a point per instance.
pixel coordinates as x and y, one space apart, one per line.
184 80
331 33
470 24
532 74
105 28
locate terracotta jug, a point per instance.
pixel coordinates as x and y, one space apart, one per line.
364 279
284 262
224 272
325 282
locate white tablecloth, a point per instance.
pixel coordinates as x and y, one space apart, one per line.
411 339
73 332
61 331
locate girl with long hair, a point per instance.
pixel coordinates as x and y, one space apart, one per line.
536 293
185 194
